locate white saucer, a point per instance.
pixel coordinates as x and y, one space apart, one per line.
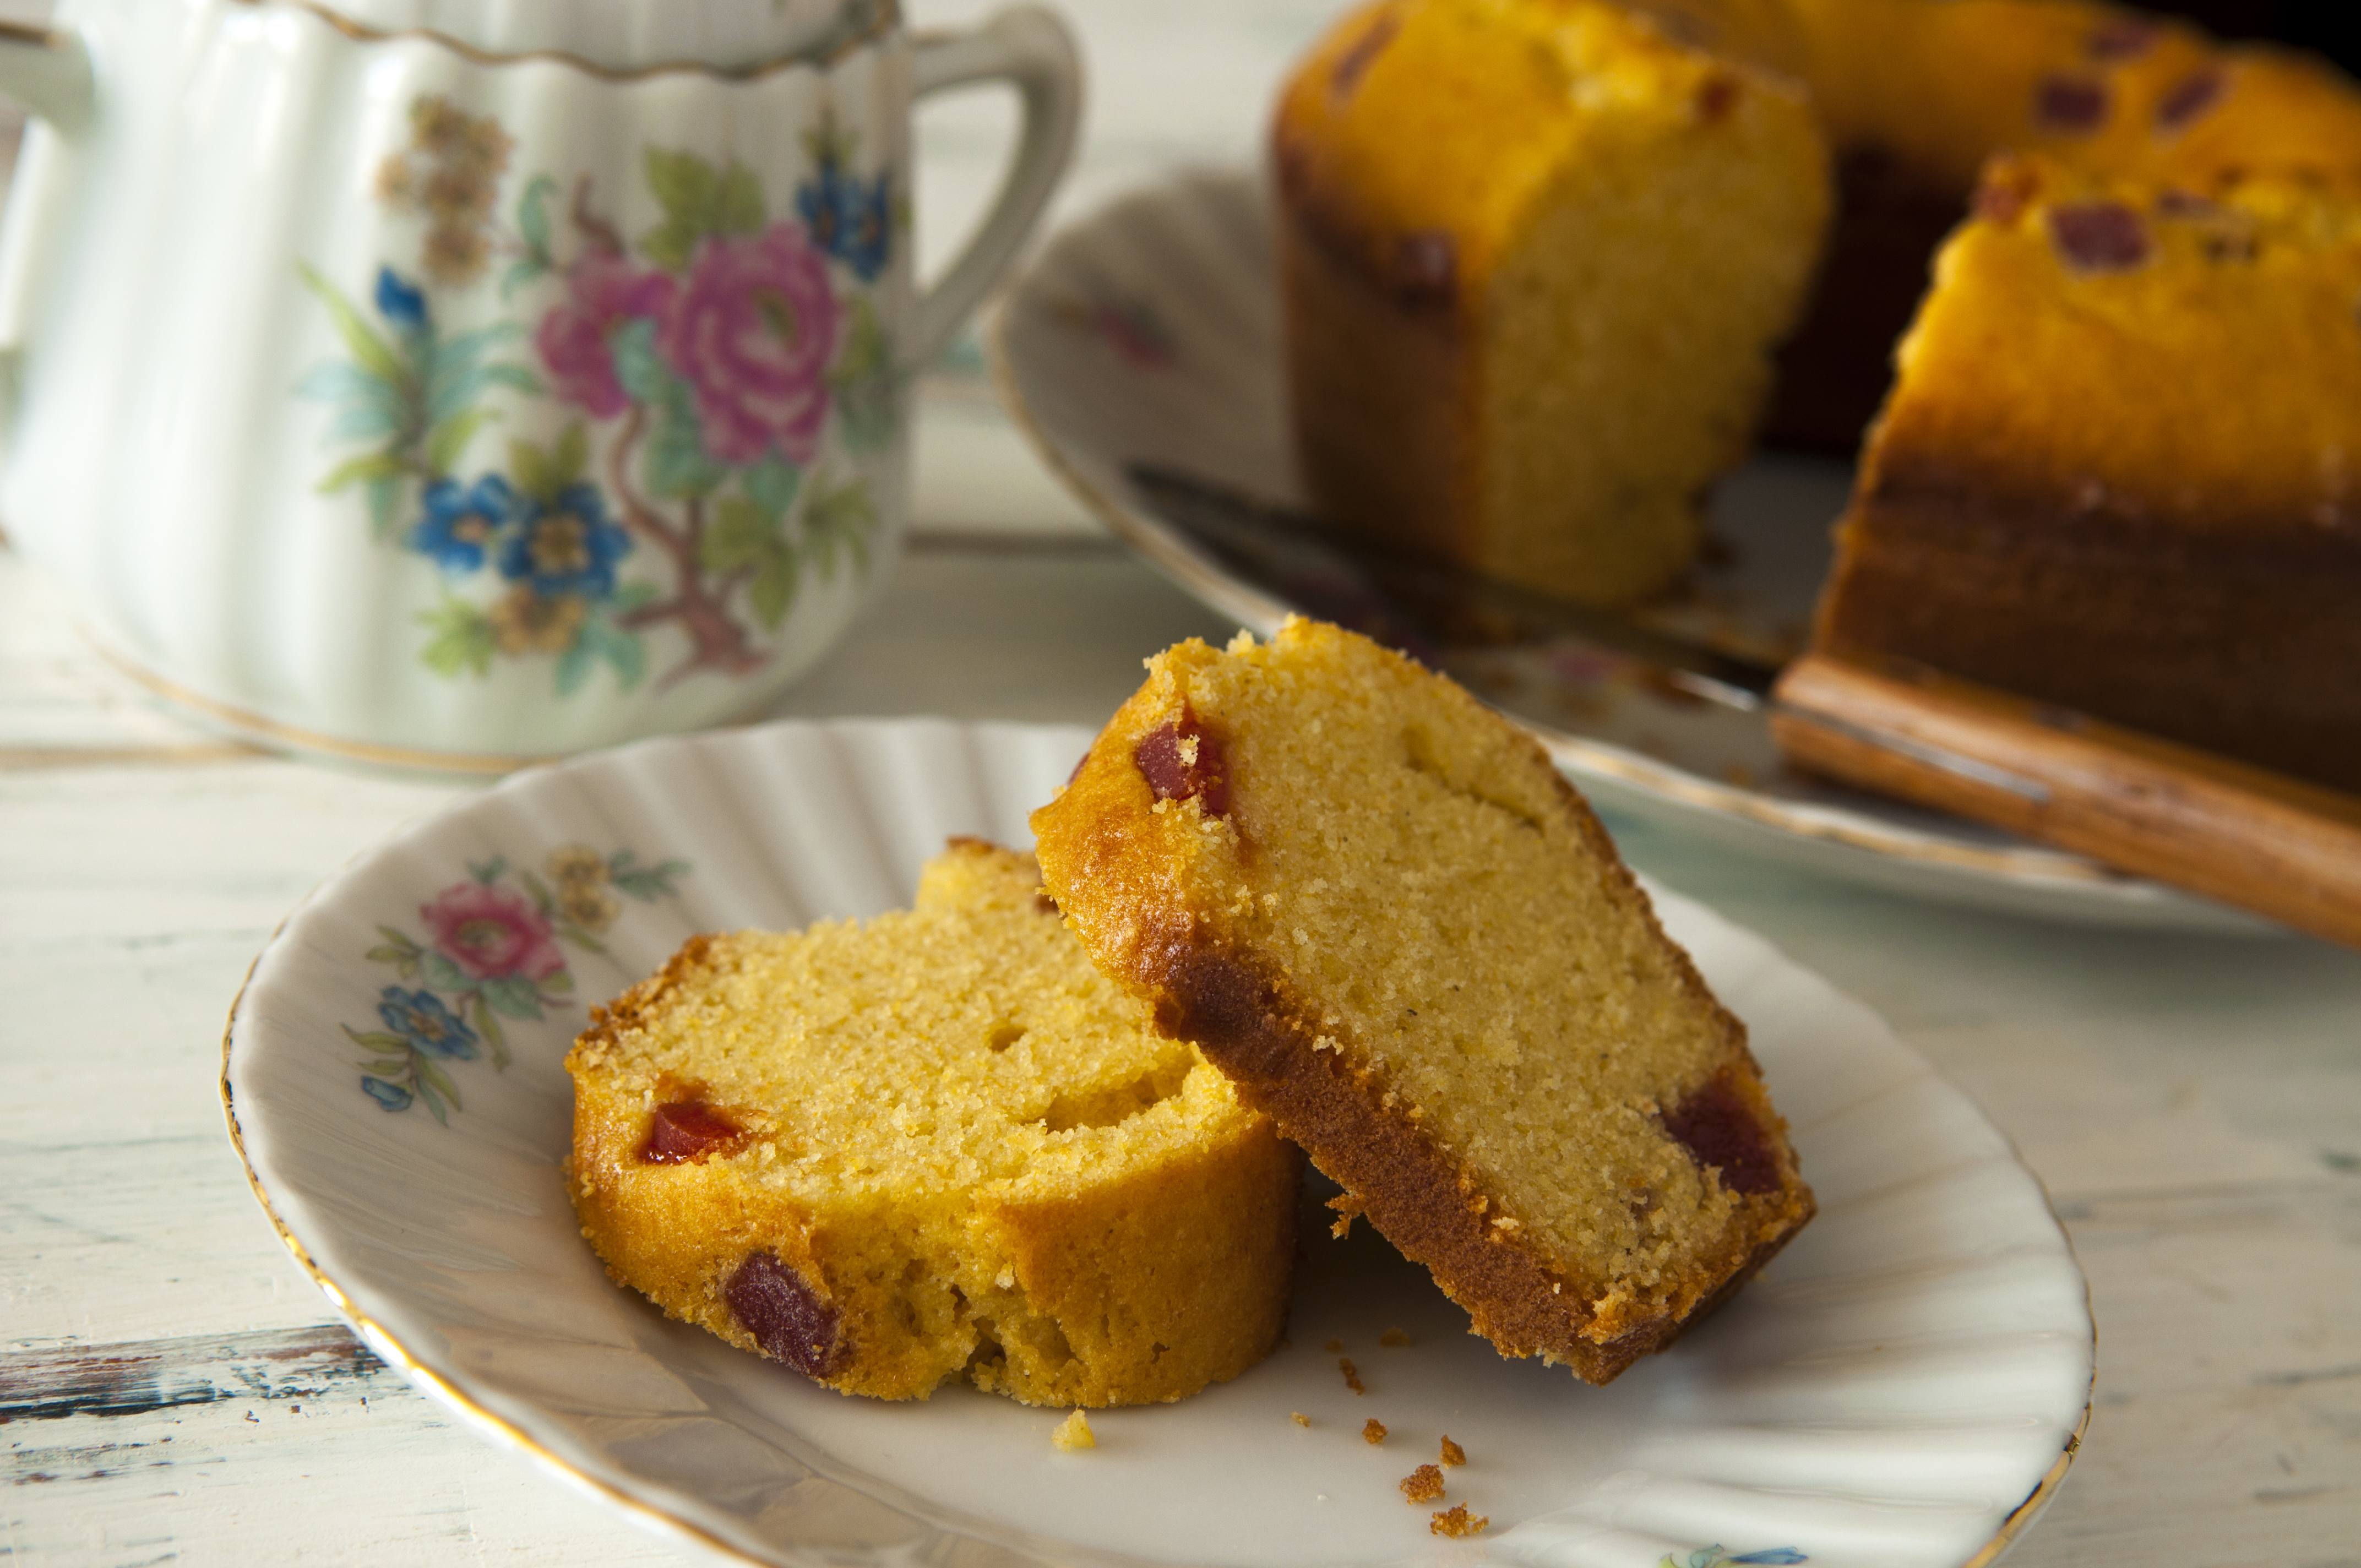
1903 1388
1146 337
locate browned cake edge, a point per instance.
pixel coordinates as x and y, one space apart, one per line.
2237 639
1249 1023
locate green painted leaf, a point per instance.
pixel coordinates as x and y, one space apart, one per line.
632 596
447 442
638 366
624 652
773 590
371 350
383 493
399 938
519 274
377 1040
433 1077
684 184
533 213
463 642
838 521
441 975
490 1028
648 884
675 465
532 470
538 891
772 485
561 984
670 245
570 458
867 389
739 536
488 871
573 667
353 470
513 995
513 375
737 203
384 1065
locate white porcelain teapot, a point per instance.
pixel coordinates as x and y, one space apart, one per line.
462 382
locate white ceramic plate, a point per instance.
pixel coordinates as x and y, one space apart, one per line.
1147 338
1902 1389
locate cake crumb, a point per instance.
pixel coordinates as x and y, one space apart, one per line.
1422 1485
1349 1209
1373 1431
1352 1374
1451 1452
1393 1337
1298 1418
1455 1520
1074 1432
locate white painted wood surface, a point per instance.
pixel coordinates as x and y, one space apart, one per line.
172 1388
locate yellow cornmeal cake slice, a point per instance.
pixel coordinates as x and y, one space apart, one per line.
932 1145
1535 258
1376 907
2120 470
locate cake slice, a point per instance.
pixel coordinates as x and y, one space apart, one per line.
1534 256
1375 906
937 1145
2120 469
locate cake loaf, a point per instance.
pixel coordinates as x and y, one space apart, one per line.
1535 258
932 1146
1375 904
2120 470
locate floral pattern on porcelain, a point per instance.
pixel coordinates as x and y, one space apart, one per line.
710 384
494 948
1715 1557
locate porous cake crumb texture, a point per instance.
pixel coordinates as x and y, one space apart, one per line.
1455 1520
1422 1485
1074 1432
937 1145
1409 939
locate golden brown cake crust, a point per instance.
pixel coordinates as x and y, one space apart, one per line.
1120 892
2124 484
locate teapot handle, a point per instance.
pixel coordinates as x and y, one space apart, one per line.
48 72
1029 46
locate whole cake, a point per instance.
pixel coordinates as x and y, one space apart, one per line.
935 1146
1916 94
2120 470
1535 257
1375 906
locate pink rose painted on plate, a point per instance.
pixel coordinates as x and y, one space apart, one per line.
492 932
605 290
752 332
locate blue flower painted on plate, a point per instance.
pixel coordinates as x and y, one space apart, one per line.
462 522
493 950
400 301
568 545
421 1020
849 218
1715 1557
391 1096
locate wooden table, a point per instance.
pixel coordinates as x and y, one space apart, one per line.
174 1389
